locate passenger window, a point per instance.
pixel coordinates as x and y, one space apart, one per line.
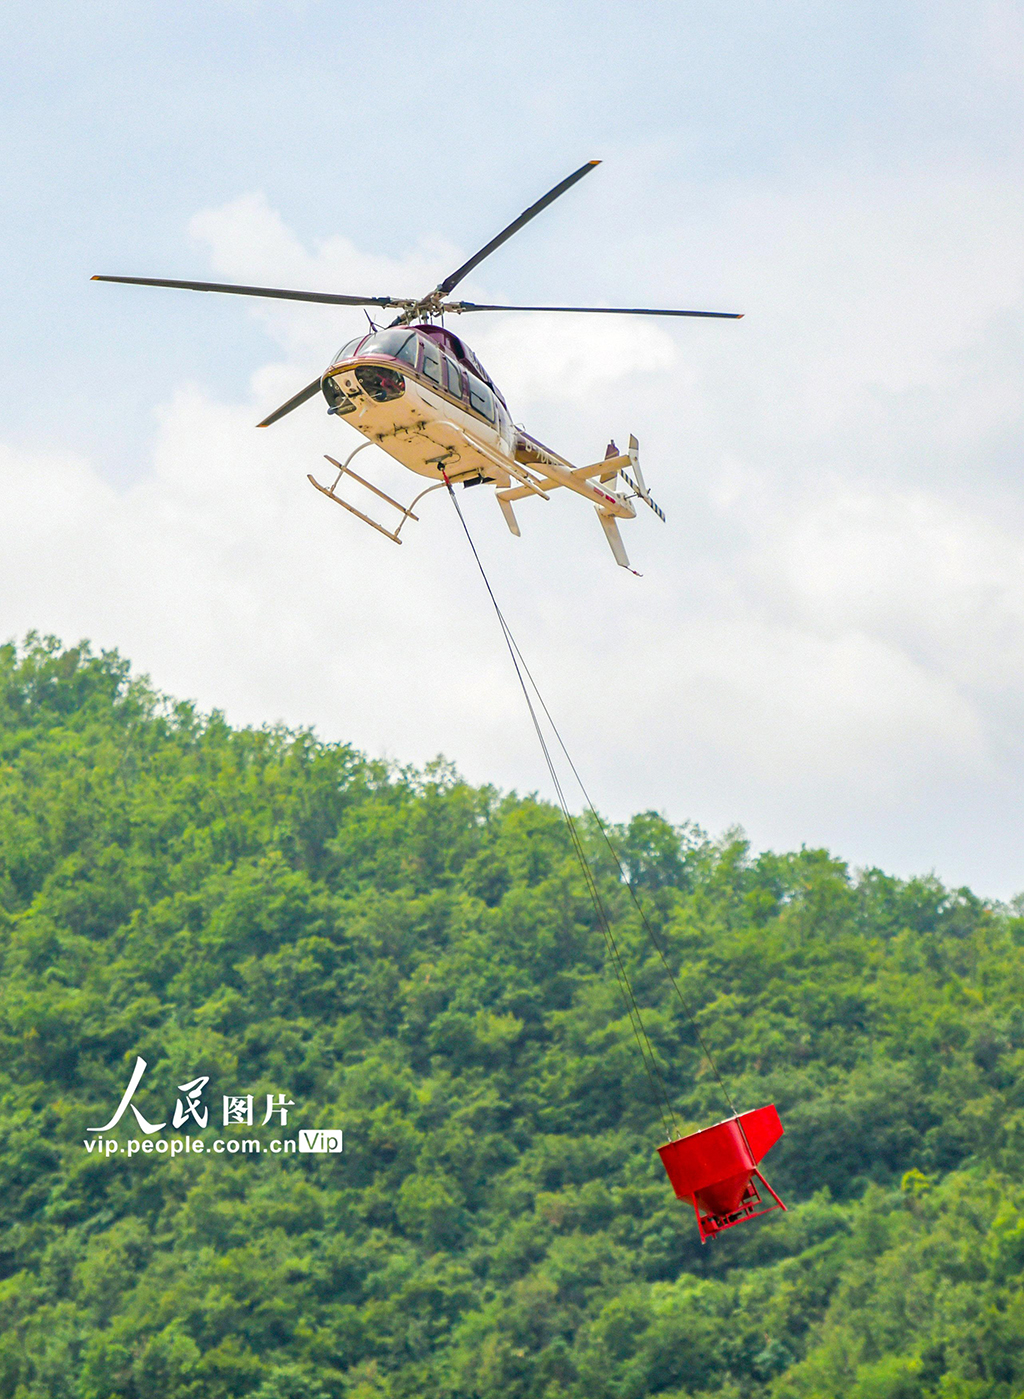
454 377
480 397
431 361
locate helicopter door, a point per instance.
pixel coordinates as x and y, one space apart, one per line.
505 430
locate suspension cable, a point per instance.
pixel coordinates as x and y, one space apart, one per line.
647 1054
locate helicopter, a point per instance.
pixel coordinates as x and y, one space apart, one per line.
418 391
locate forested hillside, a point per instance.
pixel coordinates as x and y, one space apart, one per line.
416 961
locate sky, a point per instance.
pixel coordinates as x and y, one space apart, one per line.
826 647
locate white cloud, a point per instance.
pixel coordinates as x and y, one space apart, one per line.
932 579
247 241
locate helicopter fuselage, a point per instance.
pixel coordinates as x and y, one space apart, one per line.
421 394
417 393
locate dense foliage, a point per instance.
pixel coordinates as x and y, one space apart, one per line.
417 962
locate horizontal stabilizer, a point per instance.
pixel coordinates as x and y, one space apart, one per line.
607 469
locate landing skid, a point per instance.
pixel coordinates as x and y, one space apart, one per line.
345 470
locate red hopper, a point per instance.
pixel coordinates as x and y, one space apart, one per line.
716 1169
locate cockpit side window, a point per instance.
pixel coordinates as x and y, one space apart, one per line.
431 365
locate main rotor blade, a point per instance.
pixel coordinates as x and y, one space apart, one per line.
514 227
458 306
332 298
295 402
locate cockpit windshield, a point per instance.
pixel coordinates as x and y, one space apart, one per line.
399 343
348 349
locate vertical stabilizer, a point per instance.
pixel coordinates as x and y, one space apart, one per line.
634 461
637 482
